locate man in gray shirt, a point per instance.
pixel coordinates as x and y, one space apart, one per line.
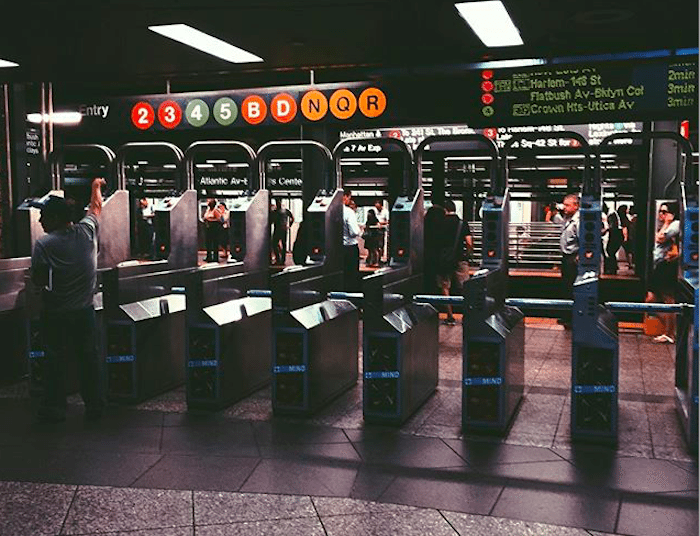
568 244
64 266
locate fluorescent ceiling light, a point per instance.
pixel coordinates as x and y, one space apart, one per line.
217 161
491 23
7 63
57 118
206 43
286 160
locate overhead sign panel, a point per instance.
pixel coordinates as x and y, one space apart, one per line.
586 93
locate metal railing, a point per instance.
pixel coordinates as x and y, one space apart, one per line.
531 245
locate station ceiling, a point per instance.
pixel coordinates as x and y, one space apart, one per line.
109 40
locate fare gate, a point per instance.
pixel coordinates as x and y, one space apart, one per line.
315 340
228 334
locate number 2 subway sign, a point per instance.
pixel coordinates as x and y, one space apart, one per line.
250 108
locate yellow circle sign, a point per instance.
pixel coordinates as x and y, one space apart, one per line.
314 105
343 104
372 102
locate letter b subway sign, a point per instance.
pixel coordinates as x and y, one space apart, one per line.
328 102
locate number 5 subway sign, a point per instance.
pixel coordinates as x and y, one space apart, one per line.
346 103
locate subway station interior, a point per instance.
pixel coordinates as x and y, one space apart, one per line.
253 384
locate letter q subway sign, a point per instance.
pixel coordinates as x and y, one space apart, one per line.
257 107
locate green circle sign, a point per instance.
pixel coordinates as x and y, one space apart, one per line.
225 111
197 112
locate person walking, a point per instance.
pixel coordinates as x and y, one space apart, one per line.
64 267
453 260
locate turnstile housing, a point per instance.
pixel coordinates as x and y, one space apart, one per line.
228 357
400 364
145 348
493 358
314 356
594 366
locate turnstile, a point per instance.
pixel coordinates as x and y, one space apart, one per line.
13 312
144 321
229 335
493 334
595 346
315 340
686 379
145 347
400 338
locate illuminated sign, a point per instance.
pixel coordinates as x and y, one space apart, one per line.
254 107
586 93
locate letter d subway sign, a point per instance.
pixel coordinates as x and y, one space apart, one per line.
265 106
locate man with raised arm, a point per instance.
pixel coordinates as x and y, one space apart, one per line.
64 266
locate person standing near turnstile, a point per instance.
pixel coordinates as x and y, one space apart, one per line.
64 264
351 250
568 244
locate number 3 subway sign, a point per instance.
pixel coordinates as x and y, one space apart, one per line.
245 108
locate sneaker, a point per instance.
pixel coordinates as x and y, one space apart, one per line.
663 339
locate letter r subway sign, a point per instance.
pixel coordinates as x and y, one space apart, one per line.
257 107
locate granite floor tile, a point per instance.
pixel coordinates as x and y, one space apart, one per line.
95 508
305 526
280 432
172 531
73 466
286 476
370 483
335 506
469 524
223 438
485 454
199 472
315 453
653 519
33 509
450 492
213 508
595 511
405 451
389 524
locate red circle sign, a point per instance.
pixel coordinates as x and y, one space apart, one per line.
142 115
283 108
169 114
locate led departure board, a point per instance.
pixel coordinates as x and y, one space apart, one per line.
587 93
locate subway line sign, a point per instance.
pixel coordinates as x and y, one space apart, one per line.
257 107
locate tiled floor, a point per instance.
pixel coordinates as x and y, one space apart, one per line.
157 470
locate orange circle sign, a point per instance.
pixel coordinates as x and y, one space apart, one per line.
343 104
283 108
253 109
372 102
314 105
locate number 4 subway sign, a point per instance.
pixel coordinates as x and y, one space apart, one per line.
246 108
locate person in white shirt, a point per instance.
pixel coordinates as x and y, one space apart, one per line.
383 219
351 251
